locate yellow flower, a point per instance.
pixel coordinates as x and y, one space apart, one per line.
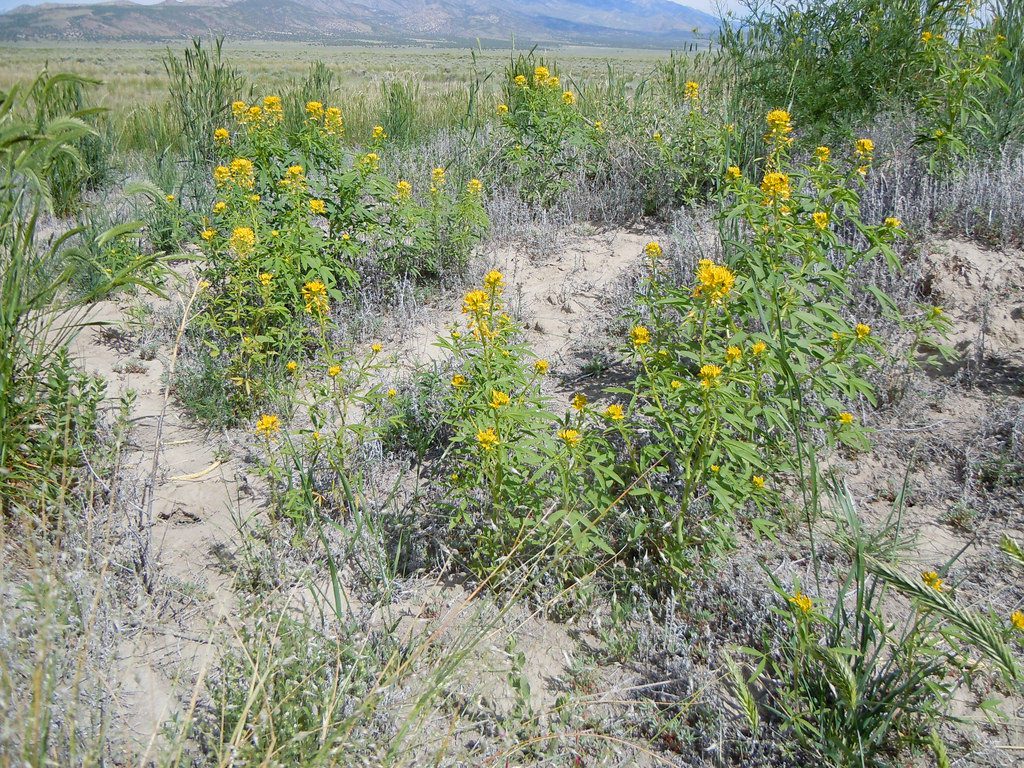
758 481
733 354
459 381
487 439
314 294
503 109
254 198
893 223
499 399
598 126
863 330
253 114
714 281
1017 619
370 161
333 122
569 436
640 336
759 347
238 108
475 187
169 198
864 147
541 367
709 375
656 137
220 206
732 173
318 207
333 371
392 392
845 418
403 190
820 219
476 302
315 109
243 240
780 126
437 176
652 250
494 280
292 366
520 80
243 172
715 468
207 234
266 278
569 98
267 425
691 90
379 133
931 579
614 412
802 602
579 401
676 384
926 36
221 175
541 74
775 186
294 178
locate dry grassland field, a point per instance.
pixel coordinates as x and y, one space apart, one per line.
418 406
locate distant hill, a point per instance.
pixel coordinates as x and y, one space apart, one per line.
642 23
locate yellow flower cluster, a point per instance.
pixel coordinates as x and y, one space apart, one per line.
403 190
242 240
691 91
579 401
775 186
845 418
570 437
569 98
541 367
314 295
499 399
503 109
780 125
863 330
823 154
370 161
379 134
820 219
221 136
487 439
709 375
653 250
733 354
640 336
714 281
732 173
614 412
268 425
317 207
294 178
802 602
475 187
542 76
438 178
931 579
459 381
476 303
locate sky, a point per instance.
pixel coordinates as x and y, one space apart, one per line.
701 5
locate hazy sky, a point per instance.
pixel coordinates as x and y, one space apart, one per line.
703 5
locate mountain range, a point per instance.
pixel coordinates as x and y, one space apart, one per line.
643 23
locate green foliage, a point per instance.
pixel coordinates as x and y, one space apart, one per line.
202 85
858 683
47 407
548 139
296 220
525 486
